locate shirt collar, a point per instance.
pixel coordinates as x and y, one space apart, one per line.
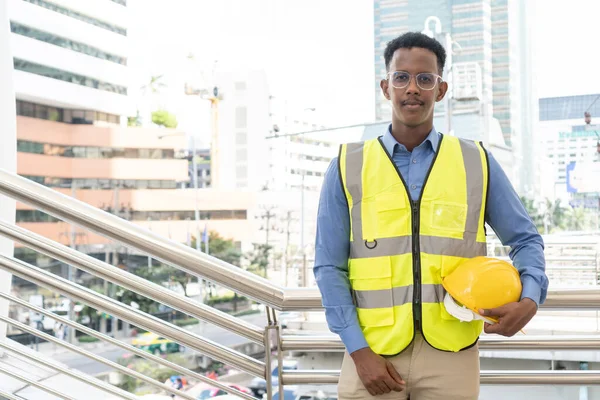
390 142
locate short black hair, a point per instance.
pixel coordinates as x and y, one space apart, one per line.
415 39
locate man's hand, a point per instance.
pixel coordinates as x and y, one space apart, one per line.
511 317
377 374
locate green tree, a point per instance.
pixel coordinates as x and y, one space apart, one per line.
164 118
536 216
126 296
577 219
155 85
136 120
221 248
225 250
555 215
259 258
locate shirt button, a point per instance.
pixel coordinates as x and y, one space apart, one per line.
413 187
414 160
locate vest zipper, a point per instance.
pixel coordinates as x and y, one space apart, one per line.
416 248
416 267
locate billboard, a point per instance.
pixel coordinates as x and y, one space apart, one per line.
583 177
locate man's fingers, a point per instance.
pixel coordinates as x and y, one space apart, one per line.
383 388
394 374
374 389
494 312
393 385
492 328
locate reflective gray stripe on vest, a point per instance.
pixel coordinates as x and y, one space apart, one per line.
384 247
430 293
474 174
354 165
399 245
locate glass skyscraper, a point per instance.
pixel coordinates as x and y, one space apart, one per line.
487 32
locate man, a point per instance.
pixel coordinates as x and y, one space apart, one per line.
396 215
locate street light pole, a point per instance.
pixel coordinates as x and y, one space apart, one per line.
448 70
302 211
196 206
71 272
195 183
197 213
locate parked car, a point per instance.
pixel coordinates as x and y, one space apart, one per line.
317 395
156 344
286 317
203 391
259 385
214 392
294 392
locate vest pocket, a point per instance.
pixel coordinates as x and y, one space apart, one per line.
371 281
375 318
448 216
392 216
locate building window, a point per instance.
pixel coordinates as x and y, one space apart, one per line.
300 139
65 76
65 43
103 184
25 146
183 215
314 158
241 118
34 216
241 138
569 107
68 116
79 16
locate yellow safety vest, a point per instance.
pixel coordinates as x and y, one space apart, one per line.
400 250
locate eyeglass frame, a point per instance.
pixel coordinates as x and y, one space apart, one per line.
441 80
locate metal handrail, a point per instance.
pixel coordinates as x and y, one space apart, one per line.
560 259
490 377
35 384
196 263
72 373
9 396
168 251
131 281
94 357
126 346
224 274
531 343
576 299
136 317
579 378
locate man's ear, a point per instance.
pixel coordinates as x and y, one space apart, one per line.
385 85
443 88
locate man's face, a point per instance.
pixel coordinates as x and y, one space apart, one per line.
413 106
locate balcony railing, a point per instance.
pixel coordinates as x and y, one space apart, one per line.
274 298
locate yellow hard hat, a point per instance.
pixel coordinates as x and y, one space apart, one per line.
482 283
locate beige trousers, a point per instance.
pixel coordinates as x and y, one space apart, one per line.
429 374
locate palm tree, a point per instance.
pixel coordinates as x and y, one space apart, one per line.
536 216
155 85
554 216
577 219
150 99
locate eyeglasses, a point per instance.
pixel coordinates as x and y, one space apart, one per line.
425 80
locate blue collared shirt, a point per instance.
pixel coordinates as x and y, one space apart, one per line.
504 213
